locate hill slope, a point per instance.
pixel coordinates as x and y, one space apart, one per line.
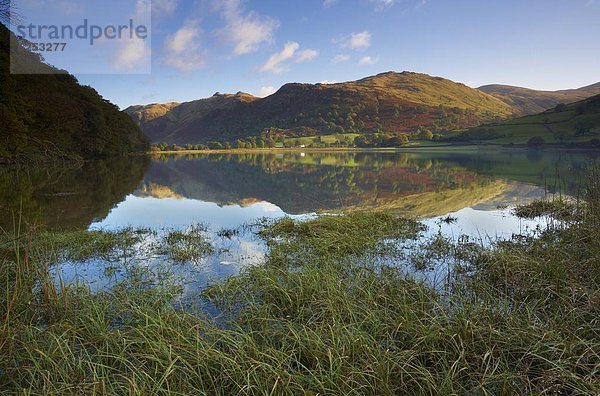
52 115
178 122
528 101
576 123
389 102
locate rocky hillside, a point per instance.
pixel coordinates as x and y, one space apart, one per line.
528 101
51 115
389 102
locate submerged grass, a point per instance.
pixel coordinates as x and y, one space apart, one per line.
558 209
187 245
345 236
322 315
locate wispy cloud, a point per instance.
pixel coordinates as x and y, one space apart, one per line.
358 41
266 91
368 60
329 3
133 52
340 58
307 55
183 50
280 61
246 31
276 63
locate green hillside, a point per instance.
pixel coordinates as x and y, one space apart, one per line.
576 123
389 102
51 115
529 101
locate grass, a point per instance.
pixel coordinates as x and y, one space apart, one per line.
188 245
308 140
558 209
554 126
332 310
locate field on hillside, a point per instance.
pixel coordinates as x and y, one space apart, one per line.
575 123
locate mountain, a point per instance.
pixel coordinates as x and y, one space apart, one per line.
576 124
528 101
46 115
388 102
178 122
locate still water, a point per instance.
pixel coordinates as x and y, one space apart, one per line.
227 191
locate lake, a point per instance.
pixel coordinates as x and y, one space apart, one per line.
476 189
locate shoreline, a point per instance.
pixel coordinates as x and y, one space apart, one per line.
448 147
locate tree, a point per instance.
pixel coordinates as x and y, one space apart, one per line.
425 134
215 145
269 142
582 128
8 15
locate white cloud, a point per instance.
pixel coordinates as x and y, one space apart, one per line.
340 58
328 82
358 41
246 31
280 61
131 54
329 3
367 60
266 91
276 63
307 55
183 49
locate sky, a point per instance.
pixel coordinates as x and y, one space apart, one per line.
199 47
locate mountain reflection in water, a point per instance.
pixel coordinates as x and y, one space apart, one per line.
417 184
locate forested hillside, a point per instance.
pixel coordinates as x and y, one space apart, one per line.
52 115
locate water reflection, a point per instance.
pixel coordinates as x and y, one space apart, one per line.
226 190
418 184
67 196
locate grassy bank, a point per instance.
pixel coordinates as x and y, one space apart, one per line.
336 308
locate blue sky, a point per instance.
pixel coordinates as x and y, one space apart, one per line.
203 46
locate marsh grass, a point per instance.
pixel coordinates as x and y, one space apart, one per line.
558 209
188 245
343 236
322 315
